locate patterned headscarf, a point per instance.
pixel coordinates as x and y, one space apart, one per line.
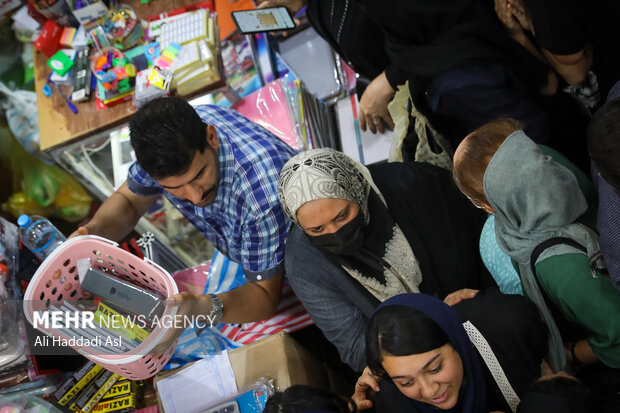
324 173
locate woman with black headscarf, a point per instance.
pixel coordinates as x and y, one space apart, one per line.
474 357
363 235
463 68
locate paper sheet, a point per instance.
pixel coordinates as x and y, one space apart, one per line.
365 147
199 386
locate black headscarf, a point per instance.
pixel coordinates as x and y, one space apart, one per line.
426 37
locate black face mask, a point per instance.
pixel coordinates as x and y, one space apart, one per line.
347 240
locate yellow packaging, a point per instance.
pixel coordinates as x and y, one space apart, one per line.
94 399
120 403
77 387
122 388
109 318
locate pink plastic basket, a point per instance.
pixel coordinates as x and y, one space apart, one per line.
57 280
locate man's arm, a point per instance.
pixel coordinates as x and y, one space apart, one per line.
118 215
253 301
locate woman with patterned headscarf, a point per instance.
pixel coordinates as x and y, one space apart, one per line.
363 235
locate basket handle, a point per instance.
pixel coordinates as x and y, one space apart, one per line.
163 271
94 237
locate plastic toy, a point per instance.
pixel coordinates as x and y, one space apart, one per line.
113 70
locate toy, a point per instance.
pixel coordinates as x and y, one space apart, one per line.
123 27
113 70
151 51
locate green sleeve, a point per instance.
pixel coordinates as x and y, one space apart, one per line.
591 302
585 184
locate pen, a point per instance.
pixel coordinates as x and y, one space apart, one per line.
69 103
300 13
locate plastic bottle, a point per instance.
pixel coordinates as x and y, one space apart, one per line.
39 235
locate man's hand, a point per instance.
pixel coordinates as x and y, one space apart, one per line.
365 388
253 301
460 295
374 105
293 6
80 231
187 305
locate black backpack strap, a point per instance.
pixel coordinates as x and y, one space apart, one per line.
550 243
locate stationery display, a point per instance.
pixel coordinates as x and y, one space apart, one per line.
114 72
89 13
81 81
56 10
123 27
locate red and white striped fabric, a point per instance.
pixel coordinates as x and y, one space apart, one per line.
290 316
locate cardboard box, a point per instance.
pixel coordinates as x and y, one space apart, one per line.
278 357
90 15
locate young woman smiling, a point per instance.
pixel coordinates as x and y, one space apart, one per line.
474 357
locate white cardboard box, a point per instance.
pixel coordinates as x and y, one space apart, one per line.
89 15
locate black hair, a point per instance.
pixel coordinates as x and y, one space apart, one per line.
604 142
165 135
557 395
298 398
400 331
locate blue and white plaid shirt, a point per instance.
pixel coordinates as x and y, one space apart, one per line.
246 221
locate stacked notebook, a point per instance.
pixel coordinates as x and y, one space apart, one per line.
196 64
286 109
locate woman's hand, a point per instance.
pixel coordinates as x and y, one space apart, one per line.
505 15
514 15
374 105
365 388
460 295
293 6
520 12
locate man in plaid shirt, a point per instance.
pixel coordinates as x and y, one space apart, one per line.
220 170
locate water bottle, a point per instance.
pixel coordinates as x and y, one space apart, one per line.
39 235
